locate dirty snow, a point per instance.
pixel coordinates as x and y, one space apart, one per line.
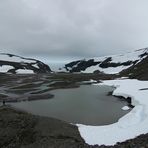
129 126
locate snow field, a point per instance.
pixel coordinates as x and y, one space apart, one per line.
129 126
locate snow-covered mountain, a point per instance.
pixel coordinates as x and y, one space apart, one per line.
10 63
109 64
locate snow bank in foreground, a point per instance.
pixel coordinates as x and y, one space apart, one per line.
129 126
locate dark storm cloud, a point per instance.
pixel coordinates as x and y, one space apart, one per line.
73 27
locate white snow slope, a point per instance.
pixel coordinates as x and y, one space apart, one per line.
130 56
129 126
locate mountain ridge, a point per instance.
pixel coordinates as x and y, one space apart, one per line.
10 63
132 64
113 64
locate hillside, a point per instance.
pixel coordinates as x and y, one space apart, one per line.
110 64
10 63
138 71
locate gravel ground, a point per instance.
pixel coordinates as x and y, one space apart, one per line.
22 130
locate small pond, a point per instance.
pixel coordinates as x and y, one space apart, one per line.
88 104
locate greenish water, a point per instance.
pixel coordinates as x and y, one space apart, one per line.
88 105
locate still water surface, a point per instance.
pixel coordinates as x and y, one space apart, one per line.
88 105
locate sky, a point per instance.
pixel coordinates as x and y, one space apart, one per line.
72 28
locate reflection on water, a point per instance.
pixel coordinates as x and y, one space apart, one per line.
88 105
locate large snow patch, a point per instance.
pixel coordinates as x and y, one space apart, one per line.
129 126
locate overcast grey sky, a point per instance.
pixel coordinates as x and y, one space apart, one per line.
74 28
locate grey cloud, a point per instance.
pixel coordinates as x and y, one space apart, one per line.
76 28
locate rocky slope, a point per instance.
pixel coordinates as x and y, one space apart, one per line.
10 63
109 64
138 71
23 130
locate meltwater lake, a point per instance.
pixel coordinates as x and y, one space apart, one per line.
88 104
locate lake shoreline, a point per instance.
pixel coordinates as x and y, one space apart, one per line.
69 105
19 129
46 132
